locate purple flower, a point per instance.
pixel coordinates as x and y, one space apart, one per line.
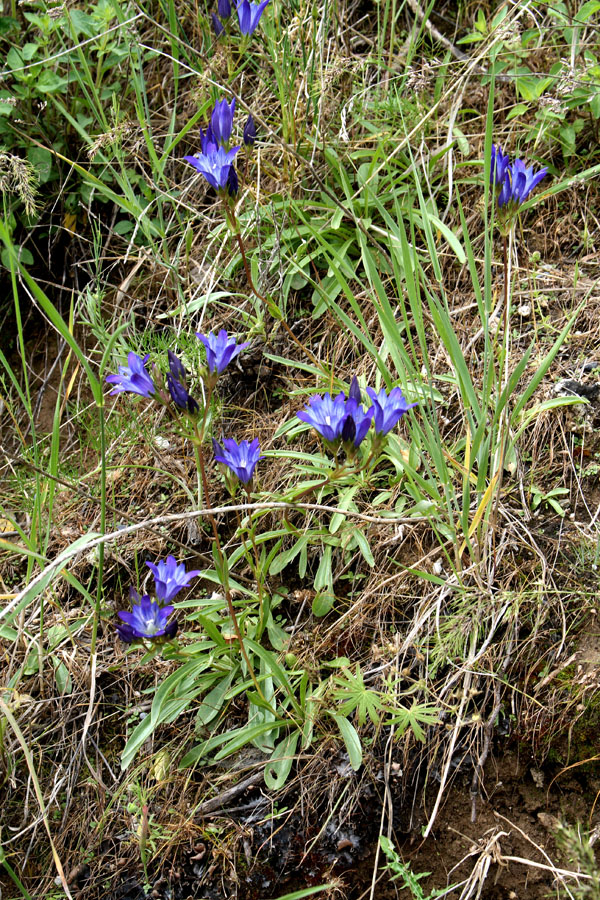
224 8
325 414
240 458
249 135
207 141
133 378
217 25
170 577
388 410
214 166
220 350
249 15
519 181
232 182
176 383
221 120
146 620
500 163
356 422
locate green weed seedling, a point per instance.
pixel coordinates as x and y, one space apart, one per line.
540 497
397 869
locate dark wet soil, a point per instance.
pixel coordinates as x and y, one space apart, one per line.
500 855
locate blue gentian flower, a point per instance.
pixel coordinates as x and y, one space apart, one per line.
356 422
249 15
146 620
134 377
232 182
208 142
170 577
176 383
224 8
240 458
325 414
519 181
500 163
221 120
214 166
220 350
249 135
388 410
217 25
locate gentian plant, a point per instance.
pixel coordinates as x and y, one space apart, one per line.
518 182
177 385
241 459
388 409
220 350
343 420
221 121
326 414
249 15
513 183
133 378
170 577
215 167
148 620
249 135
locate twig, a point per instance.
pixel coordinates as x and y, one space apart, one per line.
60 561
221 799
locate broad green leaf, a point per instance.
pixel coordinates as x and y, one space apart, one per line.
351 740
322 603
212 703
279 766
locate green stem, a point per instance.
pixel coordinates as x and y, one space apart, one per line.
503 425
102 531
226 588
257 575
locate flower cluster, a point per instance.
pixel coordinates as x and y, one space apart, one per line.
148 618
343 419
136 379
513 182
248 14
215 160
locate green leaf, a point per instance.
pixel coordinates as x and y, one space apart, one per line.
351 740
519 110
51 83
285 558
42 160
14 60
28 51
62 676
279 766
245 736
45 577
306 892
345 502
363 546
587 10
25 257
7 24
322 603
324 576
